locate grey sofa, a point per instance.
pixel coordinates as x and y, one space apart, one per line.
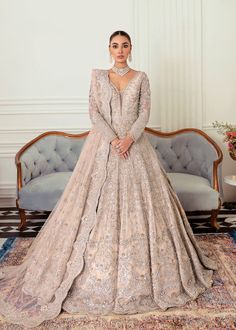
190 157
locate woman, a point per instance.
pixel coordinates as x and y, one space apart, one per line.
118 240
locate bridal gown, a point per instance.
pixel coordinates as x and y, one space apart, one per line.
118 240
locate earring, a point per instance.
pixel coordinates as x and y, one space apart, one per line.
130 57
111 59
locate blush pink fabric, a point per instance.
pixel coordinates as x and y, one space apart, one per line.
118 240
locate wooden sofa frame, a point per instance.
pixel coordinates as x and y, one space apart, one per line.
214 213
19 170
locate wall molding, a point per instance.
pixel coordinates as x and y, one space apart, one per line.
7 202
8 149
7 194
41 130
36 112
7 189
40 106
210 127
32 130
42 100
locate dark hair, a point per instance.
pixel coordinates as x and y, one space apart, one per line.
119 33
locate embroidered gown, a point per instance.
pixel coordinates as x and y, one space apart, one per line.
118 240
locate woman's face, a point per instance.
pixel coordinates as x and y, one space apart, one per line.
120 48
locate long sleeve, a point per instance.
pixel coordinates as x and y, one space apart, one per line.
143 110
95 116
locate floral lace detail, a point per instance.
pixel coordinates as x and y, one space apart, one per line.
144 106
118 240
99 123
133 259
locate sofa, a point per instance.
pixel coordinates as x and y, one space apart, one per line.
190 157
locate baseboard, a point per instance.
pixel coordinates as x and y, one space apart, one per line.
8 202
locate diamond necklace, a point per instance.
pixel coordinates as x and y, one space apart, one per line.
121 71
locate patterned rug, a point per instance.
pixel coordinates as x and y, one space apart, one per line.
214 309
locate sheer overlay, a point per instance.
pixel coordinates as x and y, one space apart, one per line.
118 240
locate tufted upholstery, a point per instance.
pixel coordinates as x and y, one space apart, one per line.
45 164
188 152
51 154
192 161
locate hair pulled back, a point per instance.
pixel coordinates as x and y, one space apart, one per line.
119 33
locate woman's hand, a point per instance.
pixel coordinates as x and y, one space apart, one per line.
122 146
114 144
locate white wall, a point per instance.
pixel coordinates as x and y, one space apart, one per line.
219 74
48 48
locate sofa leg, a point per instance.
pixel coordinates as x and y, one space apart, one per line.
214 223
22 223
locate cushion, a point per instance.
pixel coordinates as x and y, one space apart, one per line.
195 192
43 192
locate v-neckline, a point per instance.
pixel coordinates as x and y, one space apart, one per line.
121 91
